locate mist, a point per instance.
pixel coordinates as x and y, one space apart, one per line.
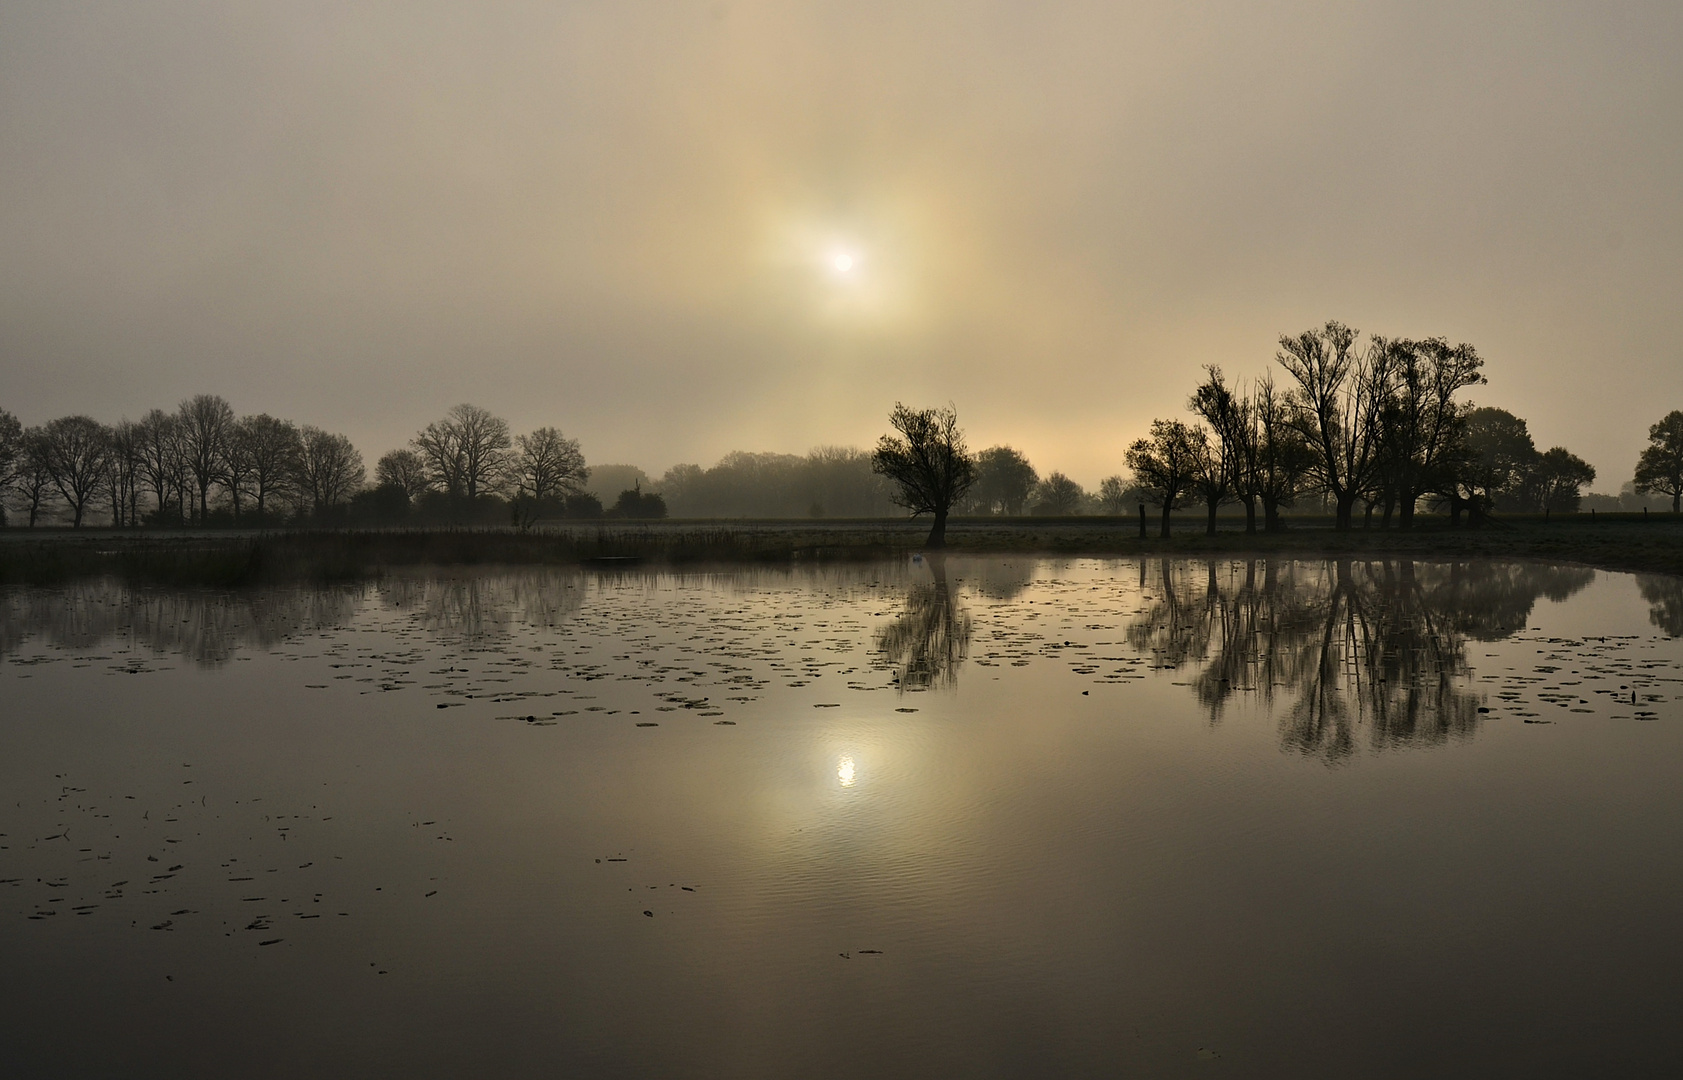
624 221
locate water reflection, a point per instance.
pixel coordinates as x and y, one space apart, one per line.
206 627
1665 599
475 606
1379 644
844 771
929 639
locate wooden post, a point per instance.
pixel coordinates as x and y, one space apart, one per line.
1142 521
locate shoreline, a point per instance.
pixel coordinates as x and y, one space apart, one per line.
224 558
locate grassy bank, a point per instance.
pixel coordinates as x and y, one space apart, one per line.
1651 544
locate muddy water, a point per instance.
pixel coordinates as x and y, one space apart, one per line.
996 817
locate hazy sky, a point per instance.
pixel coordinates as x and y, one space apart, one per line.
619 217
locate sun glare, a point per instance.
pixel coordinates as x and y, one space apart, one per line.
842 261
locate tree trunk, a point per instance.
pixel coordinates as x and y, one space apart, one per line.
1250 514
938 532
1270 514
1209 526
1405 510
1346 511
1367 517
1165 533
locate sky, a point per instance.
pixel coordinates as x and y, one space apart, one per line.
625 219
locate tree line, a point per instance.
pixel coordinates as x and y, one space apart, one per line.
1381 425
202 464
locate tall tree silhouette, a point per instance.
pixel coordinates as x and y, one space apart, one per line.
1169 462
928 463
1660 468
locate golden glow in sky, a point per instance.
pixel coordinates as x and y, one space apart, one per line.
755 226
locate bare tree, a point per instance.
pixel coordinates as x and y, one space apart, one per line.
329 468
467 451
1660 468
159 448
77 448
32 478
1229 469
270 450
11 456
122 474
236 468
1421 420
207 422
1167 462
1283 457
927 462
1113 495
549 465
404 469
1340 396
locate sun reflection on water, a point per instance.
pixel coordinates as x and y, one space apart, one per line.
844 771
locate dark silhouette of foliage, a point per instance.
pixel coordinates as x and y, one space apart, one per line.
1423 425
1167 464
1229 470
1004 482
1660 468
1283 456
466 452
1058 496
76 449
928 464
1338 405
636 503
11 456
205 424
404 468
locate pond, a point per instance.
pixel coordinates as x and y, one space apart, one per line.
961 817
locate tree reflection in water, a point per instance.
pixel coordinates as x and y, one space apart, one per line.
475 606
1665 600
204 626
926 643
1380 643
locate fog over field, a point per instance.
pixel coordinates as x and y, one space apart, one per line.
676 230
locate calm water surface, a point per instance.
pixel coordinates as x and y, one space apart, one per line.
996 817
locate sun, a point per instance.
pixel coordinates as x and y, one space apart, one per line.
843 262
